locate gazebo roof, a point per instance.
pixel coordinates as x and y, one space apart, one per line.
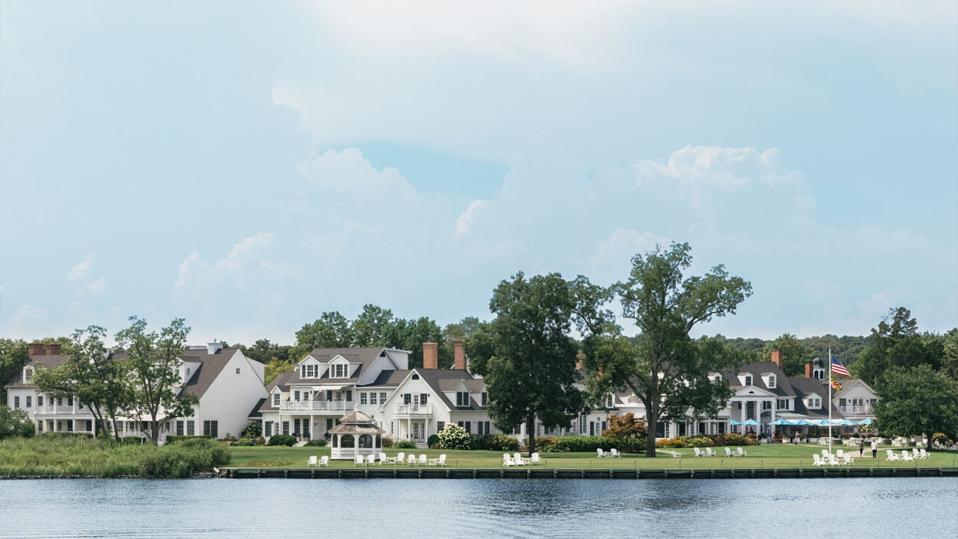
356 423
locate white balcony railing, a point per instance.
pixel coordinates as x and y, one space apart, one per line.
413 409
853 409
316 406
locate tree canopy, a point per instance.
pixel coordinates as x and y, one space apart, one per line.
13 356
663 365
896 342
917 400
528 356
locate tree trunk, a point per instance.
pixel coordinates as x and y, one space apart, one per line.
531 433
116 430
928 442
651 429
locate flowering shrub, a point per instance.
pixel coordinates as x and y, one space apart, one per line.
454 437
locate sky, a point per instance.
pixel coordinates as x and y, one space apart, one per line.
248 165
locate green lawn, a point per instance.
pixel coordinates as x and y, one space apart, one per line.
761 456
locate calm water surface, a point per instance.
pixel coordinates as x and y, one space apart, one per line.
912 507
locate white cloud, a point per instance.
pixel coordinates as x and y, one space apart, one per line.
468 218
30 321
82 279
247 275
612 256
347 172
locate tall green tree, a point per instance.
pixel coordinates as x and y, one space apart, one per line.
13 356
917 401
374 326
794 353
530 371
15 423
330 330
153 364
896 342
410 334
663 366
91 375
949 363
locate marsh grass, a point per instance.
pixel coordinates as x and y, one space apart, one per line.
83 457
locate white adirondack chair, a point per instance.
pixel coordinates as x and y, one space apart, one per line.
614 453
359 460
906 456
890 455
371 459
324 461
535 459
599 453
313 461
697 451
400 458
519 459
383 459
817 460
411 460
423 460
847 460
728 452
441 461
507 460
709 452
739 452
922 454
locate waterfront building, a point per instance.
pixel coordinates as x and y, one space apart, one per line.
224 381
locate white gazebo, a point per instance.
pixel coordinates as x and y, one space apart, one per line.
356 434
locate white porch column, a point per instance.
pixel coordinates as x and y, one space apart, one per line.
772 424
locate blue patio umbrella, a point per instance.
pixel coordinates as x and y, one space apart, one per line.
750 423
734 423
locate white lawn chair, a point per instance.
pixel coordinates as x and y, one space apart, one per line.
922 454
728 452
915 454
359 460
371 459
847 460
825 453
739 452
411 460
324 461
383 459
890 455
906 456
535 459
697 451
507 460
519 459
832 461
614 453
312 462
599 453
817 460
822 441
400 458
423 460
709 452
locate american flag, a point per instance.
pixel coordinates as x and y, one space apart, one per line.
838 368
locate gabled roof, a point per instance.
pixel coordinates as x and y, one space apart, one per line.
437 378
389 378
211 365
47 361
806 386
257 410
782 387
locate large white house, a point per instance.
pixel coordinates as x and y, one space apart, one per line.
225 382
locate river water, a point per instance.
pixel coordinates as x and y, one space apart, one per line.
894 507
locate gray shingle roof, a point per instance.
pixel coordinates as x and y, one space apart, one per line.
45 361
211 365
450 378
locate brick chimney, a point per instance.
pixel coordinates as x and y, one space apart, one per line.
54 349
777 357
213 347
459 355
430 355
36 349
808 369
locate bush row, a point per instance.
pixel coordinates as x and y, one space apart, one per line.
716 440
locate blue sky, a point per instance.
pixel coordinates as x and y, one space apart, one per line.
248 165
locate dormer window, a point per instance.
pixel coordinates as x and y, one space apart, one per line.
716 378
771 381
485 398
27 374
339 371
462 399
310 370
748 379
276 400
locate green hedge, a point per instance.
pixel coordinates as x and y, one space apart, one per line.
281 439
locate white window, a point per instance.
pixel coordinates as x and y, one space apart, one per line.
276 399
310 371
27 374
462 399
372 398
382 397
766 405
771 381
363 399
339 371
748 379
783 404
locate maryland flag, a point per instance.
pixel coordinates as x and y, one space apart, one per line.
836 385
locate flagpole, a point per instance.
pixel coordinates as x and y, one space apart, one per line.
829 402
